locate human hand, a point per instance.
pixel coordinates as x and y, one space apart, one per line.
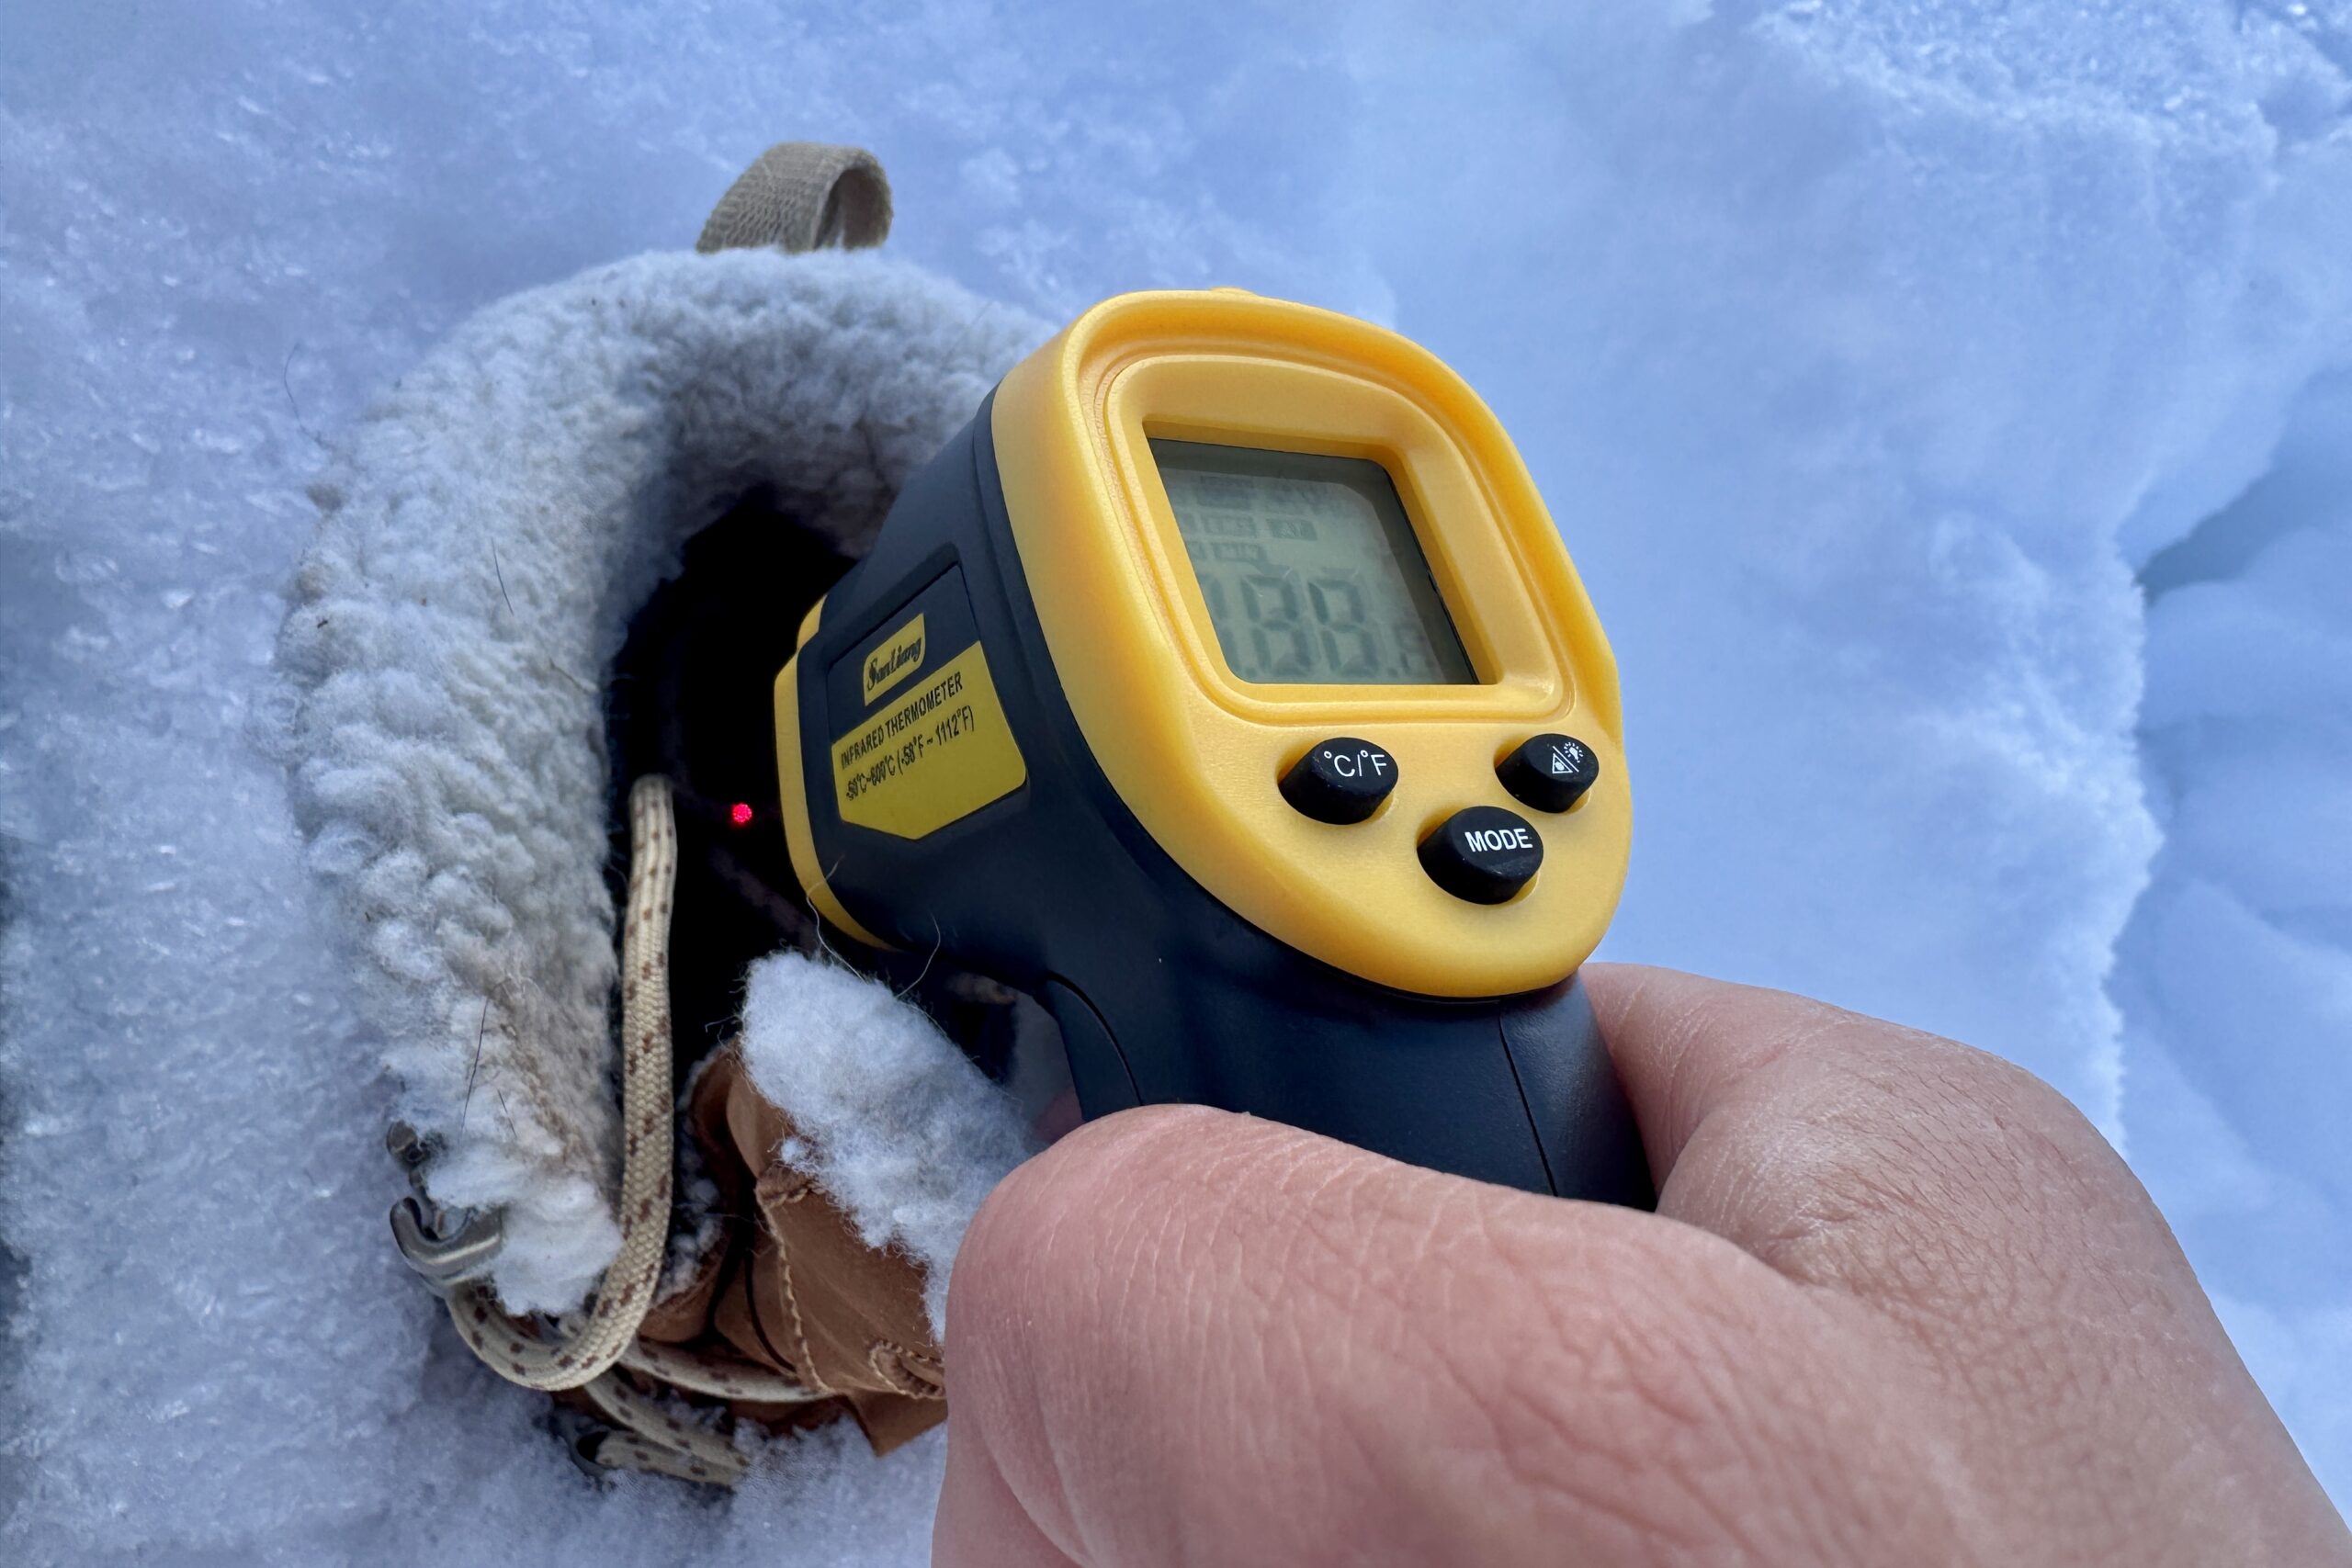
1900 1305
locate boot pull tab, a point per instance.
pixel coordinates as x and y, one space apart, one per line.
802 196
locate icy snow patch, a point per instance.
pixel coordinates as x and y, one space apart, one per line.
2235 974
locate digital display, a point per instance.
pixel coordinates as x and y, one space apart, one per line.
1310 567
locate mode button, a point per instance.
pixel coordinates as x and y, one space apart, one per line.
1483 853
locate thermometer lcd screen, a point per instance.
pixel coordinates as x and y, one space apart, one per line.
1310 567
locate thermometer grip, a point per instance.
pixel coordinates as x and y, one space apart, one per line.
1519 1091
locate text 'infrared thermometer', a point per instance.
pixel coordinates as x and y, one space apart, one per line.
1225 685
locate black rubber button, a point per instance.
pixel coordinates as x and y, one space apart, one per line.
1483 853
1550 773
1340 780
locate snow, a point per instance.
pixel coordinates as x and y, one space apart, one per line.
901 1131
2236 968
1946 404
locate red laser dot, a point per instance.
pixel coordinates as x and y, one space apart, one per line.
740 814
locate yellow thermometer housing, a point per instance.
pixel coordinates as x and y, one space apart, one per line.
1226 684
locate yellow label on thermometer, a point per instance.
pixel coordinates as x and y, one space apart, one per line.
936 754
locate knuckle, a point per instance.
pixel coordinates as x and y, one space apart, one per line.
1941 1181
1611 1393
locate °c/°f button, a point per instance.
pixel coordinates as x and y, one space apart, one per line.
1341 780
1483 853
1550 773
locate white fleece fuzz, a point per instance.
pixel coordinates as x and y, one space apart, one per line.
487 536
893 1121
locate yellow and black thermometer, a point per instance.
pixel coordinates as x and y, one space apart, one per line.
1225 685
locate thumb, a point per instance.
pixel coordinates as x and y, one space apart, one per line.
1180 1335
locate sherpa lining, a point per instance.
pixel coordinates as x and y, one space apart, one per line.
487 536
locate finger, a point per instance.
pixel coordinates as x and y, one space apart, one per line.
1974 1211
1686 1046
992 1528
1934 1181
1775 1120
1184 1337
1931 1180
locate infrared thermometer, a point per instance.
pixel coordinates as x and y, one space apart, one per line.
1225 685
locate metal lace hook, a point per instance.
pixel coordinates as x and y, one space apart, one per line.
444 1248
444 1259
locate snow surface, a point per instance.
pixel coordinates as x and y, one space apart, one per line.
1914 385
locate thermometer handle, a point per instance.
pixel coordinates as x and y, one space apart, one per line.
1518 1091
1574 1099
